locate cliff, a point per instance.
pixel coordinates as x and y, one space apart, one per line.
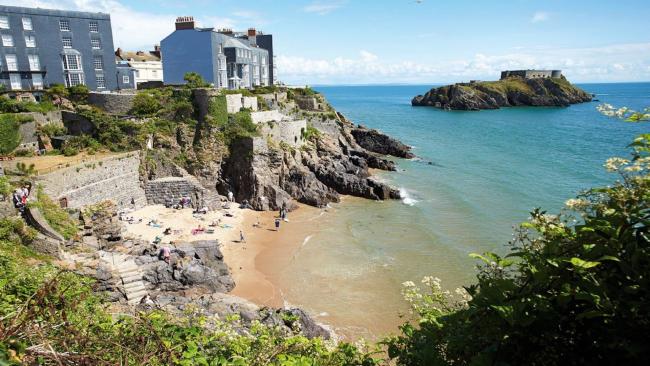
510 92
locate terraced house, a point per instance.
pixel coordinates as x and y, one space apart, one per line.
224 58
42 47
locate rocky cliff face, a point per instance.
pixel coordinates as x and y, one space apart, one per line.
510 92
268 176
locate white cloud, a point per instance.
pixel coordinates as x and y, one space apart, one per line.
322 8
540 16
606 63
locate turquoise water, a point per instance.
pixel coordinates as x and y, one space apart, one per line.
488 170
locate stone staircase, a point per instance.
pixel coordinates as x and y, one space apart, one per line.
129 274
84 259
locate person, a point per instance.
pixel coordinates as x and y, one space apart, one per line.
230 196
167 231
146 300
132 201
165 254
277 224
241 237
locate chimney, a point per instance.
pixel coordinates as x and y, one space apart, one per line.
226 31
183 23
156 50
252 32
118 53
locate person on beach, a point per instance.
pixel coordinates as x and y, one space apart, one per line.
277 224
230 196
241 237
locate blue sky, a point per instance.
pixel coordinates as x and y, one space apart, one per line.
406 41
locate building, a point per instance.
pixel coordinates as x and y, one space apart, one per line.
223 58
126 76
147 66
42 47
532 74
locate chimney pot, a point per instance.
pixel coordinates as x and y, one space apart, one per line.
184 23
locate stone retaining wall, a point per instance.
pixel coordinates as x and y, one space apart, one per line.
115 178
172 189
289 132
233 103
267 116
114 103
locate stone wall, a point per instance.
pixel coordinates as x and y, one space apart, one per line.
250 103
308 103
116 178
29 140
114 103
46 118
289 132
172 189
267 116
234 102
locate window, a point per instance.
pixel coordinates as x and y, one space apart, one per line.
125 79
30 41
93 26
96 43
37 81
34 62
7 40
67 42
101 82
12 63
75 79
154 73
71 62
15 81
64 25
4 22
98 62
27 24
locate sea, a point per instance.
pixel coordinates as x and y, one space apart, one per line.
476 176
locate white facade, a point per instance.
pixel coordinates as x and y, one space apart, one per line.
147 71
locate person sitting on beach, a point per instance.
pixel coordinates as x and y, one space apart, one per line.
277 224
165 254
167 231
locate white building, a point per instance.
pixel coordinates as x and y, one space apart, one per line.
147 66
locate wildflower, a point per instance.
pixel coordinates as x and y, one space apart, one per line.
408 284
614 164
576 204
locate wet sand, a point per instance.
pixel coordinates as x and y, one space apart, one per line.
256 265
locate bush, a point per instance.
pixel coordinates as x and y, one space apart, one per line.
78 93
569 292
145 104
218 111
240 125
9 135
24 152
194 80
51 130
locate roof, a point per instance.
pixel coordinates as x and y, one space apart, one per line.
54 12
137 56
234 42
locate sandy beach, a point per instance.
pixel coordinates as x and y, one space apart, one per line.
256 264
225 224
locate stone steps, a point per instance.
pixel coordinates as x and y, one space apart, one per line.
130 275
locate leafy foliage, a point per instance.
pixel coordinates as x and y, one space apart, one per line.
9 135
145 104
218 111
571 291
194 80
15 106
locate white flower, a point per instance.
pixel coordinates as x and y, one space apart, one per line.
614 164
576 204
408 284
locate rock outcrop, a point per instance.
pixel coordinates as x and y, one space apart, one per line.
510 92
268 176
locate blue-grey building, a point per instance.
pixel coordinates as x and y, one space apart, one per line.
125 76
223 58
41 47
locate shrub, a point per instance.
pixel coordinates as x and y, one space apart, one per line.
218 111
9 135
145 104
78 93
51 130
194 80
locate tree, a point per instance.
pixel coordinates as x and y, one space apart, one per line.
195 80
145 104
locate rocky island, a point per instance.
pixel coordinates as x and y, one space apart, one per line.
537 88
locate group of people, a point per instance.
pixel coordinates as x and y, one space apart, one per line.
20 197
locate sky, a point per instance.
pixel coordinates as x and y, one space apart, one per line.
408 41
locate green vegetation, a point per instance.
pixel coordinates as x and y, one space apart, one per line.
5 186
9 135
311 133
78 93
57 217
14 106
145 104
195 80
51 130
218 111
239 125
113 133
243 92
504 86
